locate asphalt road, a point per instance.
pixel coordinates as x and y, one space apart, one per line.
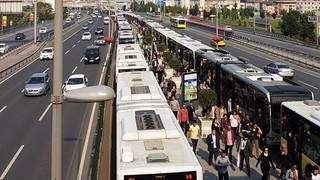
305 77
25 122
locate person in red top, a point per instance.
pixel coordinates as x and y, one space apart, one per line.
225 122
184 119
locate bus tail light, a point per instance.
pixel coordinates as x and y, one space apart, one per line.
131 179
189 176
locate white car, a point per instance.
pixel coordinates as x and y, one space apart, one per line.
4 48
47 53
227 27
43 30
75 81
86 36
68 20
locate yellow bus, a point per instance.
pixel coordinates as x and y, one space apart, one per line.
301 121
178 22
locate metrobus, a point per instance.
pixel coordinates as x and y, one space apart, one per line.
259 94
148 133
302 120
178 22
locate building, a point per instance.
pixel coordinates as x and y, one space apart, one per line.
306 6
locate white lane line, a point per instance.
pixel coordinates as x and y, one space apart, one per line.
45 70
3 175
3 109
22 90
71 35
307 84
67 52
74 69
81 59
79 41
73 46
45 112
86 142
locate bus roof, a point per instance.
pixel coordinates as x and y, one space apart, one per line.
308 109
128 48
133 87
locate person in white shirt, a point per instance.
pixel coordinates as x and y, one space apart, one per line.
315 173
292 174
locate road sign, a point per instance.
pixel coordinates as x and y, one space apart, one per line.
312 19
160 3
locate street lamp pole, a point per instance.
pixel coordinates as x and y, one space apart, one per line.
217 25
57 97
35 22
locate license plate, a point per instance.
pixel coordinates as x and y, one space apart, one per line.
91 60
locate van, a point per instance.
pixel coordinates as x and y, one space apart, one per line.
92 55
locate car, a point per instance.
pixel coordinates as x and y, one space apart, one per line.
85 27
92 54
78 16
279 68
90 21
227 27
93 15
43 30
68 20
100 40
106 20
38 84
20 36
219 40
4 48
99 16
75 81
47 53
86 36
99 30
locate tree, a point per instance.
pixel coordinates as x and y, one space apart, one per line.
148 39
307 29
45 11
175 64
161 47
207 98
195 10
234 12
290 25
135 6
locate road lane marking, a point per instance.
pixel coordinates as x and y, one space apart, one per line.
3 109
45 70
81 59
73 46
74 69
79 41
45 112
3 175
67 52
307 84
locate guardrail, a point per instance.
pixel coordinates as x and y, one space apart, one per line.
303 59
19 27
221 31
21 63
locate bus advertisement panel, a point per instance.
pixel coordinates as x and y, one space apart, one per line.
190 86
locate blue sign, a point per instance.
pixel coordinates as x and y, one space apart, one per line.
160 3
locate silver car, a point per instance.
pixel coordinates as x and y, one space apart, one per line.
281 69
38 84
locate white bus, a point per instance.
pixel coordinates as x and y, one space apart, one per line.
302 120
148 134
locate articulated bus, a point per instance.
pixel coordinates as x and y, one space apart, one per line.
302 120
258 93
150 142
178 22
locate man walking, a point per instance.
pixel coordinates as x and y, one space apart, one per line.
245 148
174 106
191 110
184 119
194 134
213 145
228 139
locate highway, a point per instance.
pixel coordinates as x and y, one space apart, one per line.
305 77
25 122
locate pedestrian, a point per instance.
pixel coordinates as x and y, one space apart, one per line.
265 160
216 125
191 111
245 150
164 89
222 164
194 134
284 159
228 139
225 122
173 91
174 106
170 84
315 173
184 119
160 73
213 145
245 124
293 147
230 107
292 173
154 66
255 133
234 121
222 112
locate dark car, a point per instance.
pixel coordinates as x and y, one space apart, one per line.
20 36
98 30
92 54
